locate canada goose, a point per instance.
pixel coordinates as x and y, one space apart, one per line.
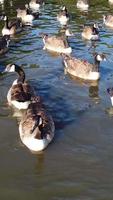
4 44
82 4
20 93
11 28
36 128
35 4
110 92
56 43
63 16
82 68
27 19
108 20
91 33
30 12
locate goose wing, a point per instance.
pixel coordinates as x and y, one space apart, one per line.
57 41
80 66
109 18
18 93
30 123
87 30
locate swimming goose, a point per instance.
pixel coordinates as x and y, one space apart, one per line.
36 127
4 44
30 12
63 16
56 43
108 20
91 33
82 68
20 93
35 4
82 4
27 19
10 28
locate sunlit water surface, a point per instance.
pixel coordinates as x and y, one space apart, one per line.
78 165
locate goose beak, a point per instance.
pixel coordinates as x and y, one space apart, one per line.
4 71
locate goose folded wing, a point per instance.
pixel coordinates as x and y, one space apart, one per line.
79 65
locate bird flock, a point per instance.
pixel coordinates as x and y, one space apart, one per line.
36 125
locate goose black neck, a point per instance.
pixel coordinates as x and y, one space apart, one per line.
95 31
21 74
97 64
6 22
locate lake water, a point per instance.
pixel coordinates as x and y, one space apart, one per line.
78 164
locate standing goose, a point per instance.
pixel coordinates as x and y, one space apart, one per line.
108 20
27 19
82 68
56 43
20 93
36 127
63 16
10 28
4 44
82 4
91 33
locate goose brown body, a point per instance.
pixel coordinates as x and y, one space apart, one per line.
82 68
56 43
20 93
35 135
108 20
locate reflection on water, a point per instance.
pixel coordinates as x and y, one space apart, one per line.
79 162
94 92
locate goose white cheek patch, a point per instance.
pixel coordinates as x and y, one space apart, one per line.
12 69
111 100
99 58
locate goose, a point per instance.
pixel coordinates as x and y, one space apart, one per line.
35 4
110 92
36 127
82 68
108 20
82 4
30 12
57 44
91 33
20 93
63 16
27 19
4 44
10 28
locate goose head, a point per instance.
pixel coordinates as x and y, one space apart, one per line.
110 92
99 57
10 68
64 8
18 70
6 39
